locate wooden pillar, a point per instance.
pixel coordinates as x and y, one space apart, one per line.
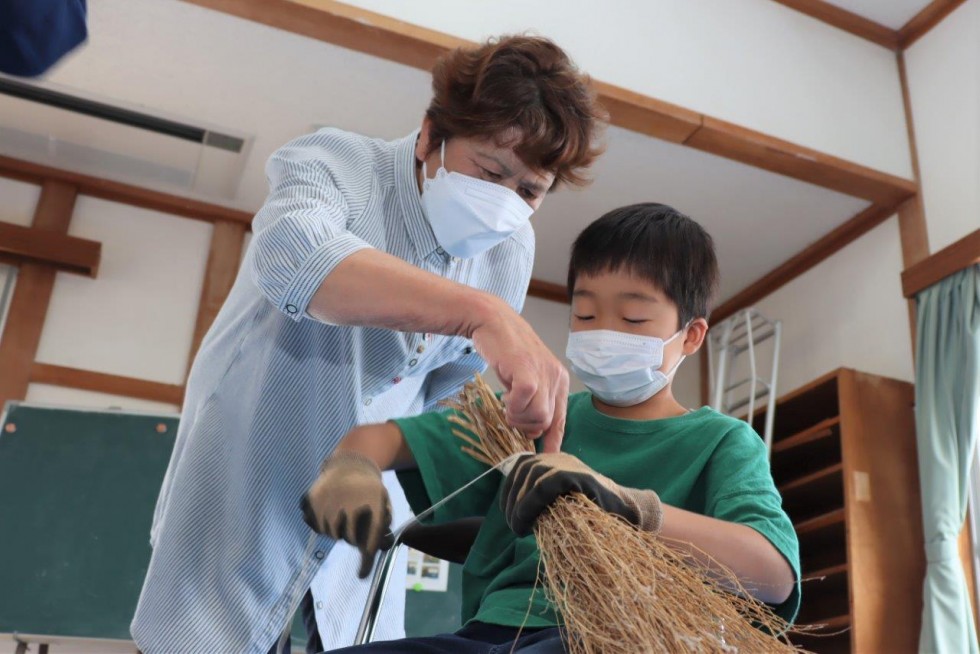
29 305
915 248
224 258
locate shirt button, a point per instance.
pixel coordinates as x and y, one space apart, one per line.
440 251
420 349
413 362
319 605
318 555
367 402
468 350
396 380
291 309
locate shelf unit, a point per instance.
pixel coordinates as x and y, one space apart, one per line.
844 460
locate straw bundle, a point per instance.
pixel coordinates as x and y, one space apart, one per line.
619 589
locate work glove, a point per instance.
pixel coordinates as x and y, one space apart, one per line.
537 480
349 502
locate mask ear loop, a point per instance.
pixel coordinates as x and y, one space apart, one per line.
673 368
442 163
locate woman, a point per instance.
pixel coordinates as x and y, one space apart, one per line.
381 276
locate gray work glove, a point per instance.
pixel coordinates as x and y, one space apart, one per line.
537 480
349 502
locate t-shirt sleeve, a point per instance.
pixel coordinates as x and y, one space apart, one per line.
740 489
443 468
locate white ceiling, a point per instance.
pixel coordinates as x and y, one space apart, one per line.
890 13
208 68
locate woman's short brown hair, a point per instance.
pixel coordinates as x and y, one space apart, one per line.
520 84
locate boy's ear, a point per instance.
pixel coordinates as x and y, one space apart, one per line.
694 338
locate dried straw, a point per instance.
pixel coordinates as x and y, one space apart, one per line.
619 589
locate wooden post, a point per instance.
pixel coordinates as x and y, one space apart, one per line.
224 258
29 305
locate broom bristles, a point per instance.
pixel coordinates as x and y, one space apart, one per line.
619 589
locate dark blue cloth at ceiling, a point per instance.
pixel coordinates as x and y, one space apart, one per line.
35 34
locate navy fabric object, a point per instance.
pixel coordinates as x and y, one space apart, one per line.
474 638
35 34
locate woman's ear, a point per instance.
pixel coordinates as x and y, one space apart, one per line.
694 338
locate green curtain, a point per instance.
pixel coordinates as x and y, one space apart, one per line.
947 397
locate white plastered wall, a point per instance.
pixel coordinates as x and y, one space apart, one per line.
848 311
136 319
944 86
755 63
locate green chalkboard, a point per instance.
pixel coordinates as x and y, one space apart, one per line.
77 493
432 612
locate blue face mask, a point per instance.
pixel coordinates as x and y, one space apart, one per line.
620 369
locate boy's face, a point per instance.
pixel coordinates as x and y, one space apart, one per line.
621 302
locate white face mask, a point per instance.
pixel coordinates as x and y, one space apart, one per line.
469 215
620 369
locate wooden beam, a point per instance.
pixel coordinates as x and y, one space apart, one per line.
950 260
118 192
32 293
778 156
224 259
848 21
70 254
925 20
912 228
804 260
646 115
87 380
548 291
404 43
346 26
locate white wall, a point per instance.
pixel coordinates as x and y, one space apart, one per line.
137 318
944 83
17 201
846 312
752 62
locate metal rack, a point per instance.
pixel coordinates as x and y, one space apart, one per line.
734 343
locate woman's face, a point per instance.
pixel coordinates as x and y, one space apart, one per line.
485 160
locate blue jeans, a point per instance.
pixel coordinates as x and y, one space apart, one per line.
476 638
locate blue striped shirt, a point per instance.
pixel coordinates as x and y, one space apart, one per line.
272 391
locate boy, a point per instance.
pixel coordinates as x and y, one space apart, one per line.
641 278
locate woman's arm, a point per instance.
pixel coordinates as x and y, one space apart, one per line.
381 443
757 564
375 289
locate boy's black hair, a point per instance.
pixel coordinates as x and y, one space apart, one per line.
656 243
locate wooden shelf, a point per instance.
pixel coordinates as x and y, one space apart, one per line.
830 571
848 420
825 595
814 494
811 478
820 430
834 623
821 521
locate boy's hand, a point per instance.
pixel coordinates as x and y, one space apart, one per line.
537 480
349 502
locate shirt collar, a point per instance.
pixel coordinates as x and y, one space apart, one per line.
407 186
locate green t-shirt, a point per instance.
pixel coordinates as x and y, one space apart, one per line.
703 462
